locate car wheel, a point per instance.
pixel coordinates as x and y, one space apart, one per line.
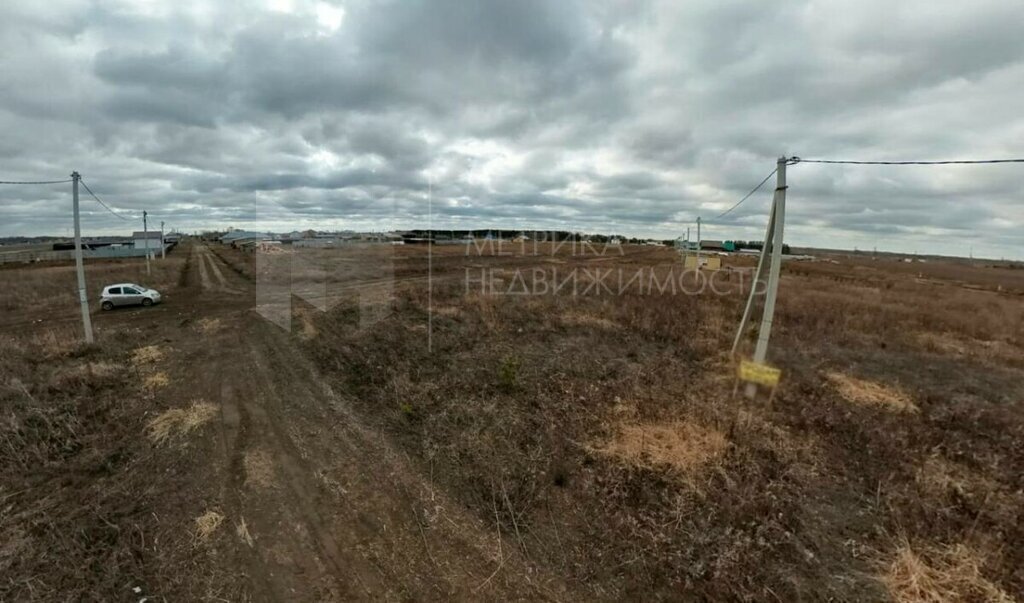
147 302
107 305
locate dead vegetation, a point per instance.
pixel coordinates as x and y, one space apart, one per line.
940 575
259 468
682 446
596 435
599 431
68 525
149 354
47 289
207 524
177 423
869 393
156 381
87 507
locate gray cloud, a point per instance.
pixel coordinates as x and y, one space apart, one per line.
606 116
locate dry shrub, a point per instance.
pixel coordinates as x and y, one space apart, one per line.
52 345
156 381
147 355
939 478
947 575
870 393
684 446
89 374
259 468
207 524
178 422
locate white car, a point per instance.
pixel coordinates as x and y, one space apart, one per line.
128 294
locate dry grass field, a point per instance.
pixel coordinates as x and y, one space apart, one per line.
49 290
474 425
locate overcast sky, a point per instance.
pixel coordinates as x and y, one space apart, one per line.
628 117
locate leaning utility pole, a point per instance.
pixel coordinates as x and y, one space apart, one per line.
773 246
145 239
698 243
163 253
761 351
83 298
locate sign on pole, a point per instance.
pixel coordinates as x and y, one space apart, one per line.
754 374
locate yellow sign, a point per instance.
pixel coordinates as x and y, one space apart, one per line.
761 374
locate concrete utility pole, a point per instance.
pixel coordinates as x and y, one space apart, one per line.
761 261
163 254
761 351
773 241
83 298
698 242
145 239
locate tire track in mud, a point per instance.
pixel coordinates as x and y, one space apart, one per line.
208 264
204 277
285 546
216 271
234 428
280 536
386 509
353 576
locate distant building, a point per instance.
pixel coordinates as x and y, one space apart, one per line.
236 236
146 240
706 245
710 245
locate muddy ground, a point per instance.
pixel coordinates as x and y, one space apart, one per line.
408 424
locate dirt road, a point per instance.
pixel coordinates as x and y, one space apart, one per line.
315 506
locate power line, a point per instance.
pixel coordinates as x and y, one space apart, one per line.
798 160
36 182
99 201
747 196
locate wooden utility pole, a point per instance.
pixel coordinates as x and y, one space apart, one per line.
163 253
83 297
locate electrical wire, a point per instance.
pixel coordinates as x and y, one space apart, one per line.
99 201
798 160
747 196
36 182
